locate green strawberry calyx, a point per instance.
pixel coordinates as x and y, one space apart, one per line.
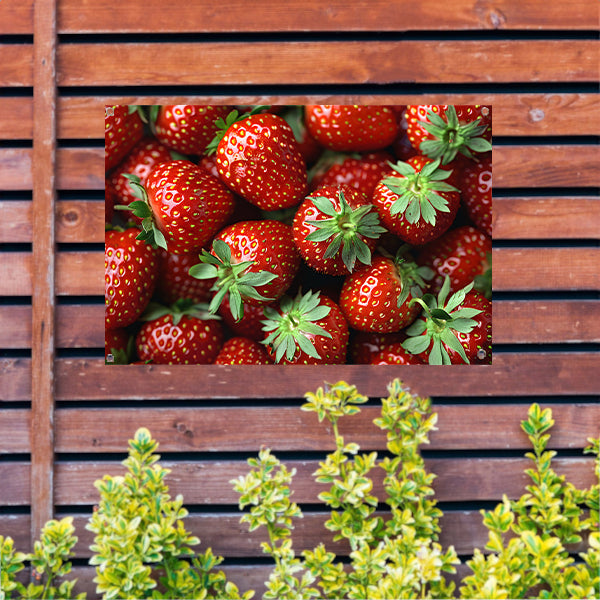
413 278
346 227
223 125
452 137
442 323
418 191
289 327
231 278
150 232
483 282
184 307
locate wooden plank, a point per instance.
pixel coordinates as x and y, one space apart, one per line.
297 15
15 379
516 269
16 216
15 431
372 62
551 321
16 67
43 266
287 428
16 17
512 373
546 218
526 269
19 112
15 168
514 114
543 166
208 482
16 483
80 169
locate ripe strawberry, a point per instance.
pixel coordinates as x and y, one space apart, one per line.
182 206
118 346
187 128
143 157
130 271
362 172
452 331
333 227
460 253
415 202
365 345
309 147
254 261
242 351
175 282
395 354
352 128
184 333
309 329
442 131
477 192
258 157
377 297
123 129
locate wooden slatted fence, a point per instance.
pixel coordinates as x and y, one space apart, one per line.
65 417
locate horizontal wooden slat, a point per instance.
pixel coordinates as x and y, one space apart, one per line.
16 66
546 218
373 62
291 429
514 166
516 269
296 15
514 114
15 432
458 480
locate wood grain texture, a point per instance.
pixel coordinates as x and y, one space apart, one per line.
514 114
15 432
274 63
210 429
517 374
546 218
295 15
16 67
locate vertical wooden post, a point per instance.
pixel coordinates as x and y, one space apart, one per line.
43 300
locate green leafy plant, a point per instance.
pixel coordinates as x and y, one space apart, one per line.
141 548
399 556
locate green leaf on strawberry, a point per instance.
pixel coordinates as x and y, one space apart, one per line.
345 229
483 282
231 278
418 191
443 320
224 124
288 328
451 136
185 307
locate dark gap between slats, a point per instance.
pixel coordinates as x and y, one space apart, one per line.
322 36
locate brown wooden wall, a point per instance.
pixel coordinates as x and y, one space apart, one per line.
65 417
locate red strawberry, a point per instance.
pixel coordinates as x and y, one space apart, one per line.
253 261
457 330
242 351
460 253
182 205
187 128
442 131
334 226
352 128
310 329
144 156
123 129
415 202
130 271
364 345
477 192
175 282
118 346
258 157
309 147
395 354
361 172
377 297
185 333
